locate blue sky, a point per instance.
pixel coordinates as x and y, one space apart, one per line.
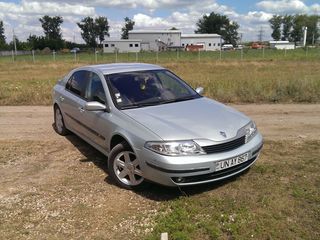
23 15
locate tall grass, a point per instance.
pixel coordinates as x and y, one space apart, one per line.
26 83
253 81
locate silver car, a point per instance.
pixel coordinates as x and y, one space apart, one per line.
152 126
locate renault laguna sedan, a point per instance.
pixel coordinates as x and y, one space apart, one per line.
152 126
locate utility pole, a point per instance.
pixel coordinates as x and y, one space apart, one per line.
241 38
14 42
305 30
260 34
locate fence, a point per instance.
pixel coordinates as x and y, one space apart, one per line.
163 57
10 53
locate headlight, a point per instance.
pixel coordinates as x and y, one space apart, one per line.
250 130
175 148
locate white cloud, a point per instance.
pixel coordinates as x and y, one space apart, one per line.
283 6
24 17
256 17
182 14
315 8
145 21
133 4
34 7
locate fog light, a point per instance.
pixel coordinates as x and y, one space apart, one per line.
179 179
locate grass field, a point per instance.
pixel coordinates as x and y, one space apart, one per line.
293 78
278 199
58 188
171 56
52 191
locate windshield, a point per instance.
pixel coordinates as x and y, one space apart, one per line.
148 88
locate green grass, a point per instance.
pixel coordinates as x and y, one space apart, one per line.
273 79
172 56
278 198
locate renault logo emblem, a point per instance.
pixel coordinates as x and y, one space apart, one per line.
223 134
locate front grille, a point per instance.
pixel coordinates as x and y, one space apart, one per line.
224 147
215 175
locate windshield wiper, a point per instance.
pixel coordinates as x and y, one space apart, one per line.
138 105
141 105
178 99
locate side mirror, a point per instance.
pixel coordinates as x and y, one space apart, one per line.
95 106
200 90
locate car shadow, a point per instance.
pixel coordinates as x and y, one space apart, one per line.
152 191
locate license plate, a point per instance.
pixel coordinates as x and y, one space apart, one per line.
221 165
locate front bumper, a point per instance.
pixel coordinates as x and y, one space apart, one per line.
190 170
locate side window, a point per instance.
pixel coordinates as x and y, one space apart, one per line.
95 90
77 83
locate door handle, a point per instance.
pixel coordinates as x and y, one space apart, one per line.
81 109
61 98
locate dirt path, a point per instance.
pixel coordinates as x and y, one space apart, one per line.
54 187
278 121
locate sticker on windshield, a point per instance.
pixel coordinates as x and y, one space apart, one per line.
118 97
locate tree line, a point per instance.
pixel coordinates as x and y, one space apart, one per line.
290 27
93 32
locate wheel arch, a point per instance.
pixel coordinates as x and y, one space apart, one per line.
118 138
55 105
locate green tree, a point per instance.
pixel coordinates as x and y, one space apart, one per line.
219 24
88 32
275 24
286 27
3 44
128 26
102 28
52 27
313 32
231 33
20 45
33 41
299 21
91 29
52 31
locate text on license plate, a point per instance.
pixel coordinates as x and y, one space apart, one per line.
221 165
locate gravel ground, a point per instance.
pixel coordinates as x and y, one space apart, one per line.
54 187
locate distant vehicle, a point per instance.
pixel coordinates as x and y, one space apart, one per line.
239 47
257 45
154 126
194 48
226 47
75 50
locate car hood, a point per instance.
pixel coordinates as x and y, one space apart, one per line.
200 118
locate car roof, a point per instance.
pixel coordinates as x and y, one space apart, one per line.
121 67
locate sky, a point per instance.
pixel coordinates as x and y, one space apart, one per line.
22 16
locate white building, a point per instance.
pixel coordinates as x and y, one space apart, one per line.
209 42
121 45
157 40
282 45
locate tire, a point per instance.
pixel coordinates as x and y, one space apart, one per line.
124 167
59 126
